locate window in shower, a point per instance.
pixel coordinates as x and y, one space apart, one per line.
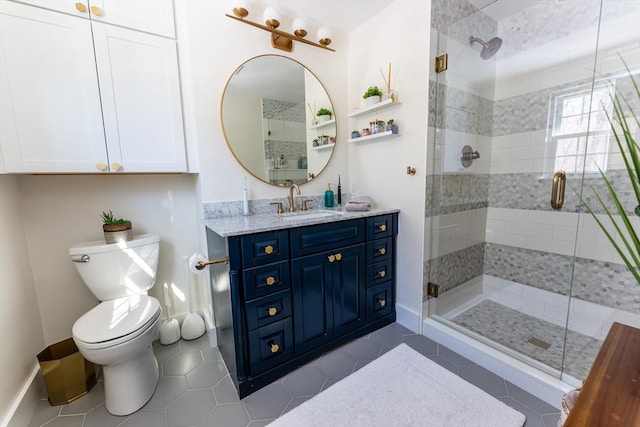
579 128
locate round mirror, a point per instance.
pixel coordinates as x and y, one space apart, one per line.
270 119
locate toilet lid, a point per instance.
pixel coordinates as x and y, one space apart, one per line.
116 318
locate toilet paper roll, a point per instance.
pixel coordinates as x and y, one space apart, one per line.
193 262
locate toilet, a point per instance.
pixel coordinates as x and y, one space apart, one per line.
118 332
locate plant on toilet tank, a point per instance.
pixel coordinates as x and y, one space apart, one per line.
115 229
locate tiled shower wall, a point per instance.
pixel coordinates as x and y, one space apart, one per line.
522 239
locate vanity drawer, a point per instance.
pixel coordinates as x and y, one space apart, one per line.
379 272
379 301
379 249
380 226
269 309
266 279
270 345
317 238
265 248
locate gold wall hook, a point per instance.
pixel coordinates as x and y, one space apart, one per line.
411 170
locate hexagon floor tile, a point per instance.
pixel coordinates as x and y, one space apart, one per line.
196 390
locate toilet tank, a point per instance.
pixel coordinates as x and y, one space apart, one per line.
120 269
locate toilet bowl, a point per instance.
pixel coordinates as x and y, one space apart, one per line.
119 331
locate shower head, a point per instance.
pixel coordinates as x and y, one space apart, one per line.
488 48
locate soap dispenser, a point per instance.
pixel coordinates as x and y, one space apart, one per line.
328 197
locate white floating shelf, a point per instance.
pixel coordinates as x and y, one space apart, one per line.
322 147
384 135
323 124
372 108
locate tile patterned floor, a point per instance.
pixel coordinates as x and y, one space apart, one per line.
513 329
195 388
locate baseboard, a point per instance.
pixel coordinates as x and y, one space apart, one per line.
25 403
408 318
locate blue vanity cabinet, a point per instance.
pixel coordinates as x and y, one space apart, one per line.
290 295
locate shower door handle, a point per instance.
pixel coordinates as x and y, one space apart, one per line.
557 190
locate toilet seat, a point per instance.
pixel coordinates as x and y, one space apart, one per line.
116 321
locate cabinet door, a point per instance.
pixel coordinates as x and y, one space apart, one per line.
139 86
349 289
311 278
73 7
151 16
50 117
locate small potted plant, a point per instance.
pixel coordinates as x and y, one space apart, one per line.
115 229
392 126
372 95
324 115
355 134
316 142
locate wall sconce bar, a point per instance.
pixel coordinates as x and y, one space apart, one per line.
281 39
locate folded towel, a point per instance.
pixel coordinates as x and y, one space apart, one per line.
361 199
356 206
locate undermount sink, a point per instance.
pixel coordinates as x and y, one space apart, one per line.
303 216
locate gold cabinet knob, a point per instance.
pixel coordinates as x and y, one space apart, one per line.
268 249
382 251
382 273
101 166
274 348
271 280
382 302
338 257
96 10
116 167
80 7
272 311
332 258
383 227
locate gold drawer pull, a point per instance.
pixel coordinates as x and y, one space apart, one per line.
382 273
383 227
96 10
268 249
272 311
332 258
382 251
274 348
338 257
382 302
81 7
271 280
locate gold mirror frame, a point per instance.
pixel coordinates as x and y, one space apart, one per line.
287 126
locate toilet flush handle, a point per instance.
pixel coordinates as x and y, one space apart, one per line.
83 258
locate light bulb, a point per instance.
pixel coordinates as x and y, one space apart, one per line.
324 36
271 17
241 9
300 27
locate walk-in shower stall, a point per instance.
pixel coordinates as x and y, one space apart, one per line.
522 106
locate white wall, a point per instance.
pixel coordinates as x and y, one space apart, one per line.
20 318
378 168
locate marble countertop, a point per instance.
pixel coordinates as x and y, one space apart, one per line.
239 225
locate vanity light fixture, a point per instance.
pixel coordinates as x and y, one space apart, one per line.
281 39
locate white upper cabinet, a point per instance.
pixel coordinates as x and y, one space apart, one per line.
151 16
76 102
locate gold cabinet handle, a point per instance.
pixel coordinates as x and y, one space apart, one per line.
80 7
101 166
332 258
557 190
271 280
274 348
382 302
117 167
383 227
273 311
338 257
96 10
382 273
382 251
268 249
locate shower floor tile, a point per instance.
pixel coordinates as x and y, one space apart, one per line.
520 332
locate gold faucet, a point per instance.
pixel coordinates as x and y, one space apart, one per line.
292 206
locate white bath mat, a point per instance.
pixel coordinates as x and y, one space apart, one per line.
402 388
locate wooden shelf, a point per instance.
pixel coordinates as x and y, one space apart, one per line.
323 147
384 135
323 124
372 108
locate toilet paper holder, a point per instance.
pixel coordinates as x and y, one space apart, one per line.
201 265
